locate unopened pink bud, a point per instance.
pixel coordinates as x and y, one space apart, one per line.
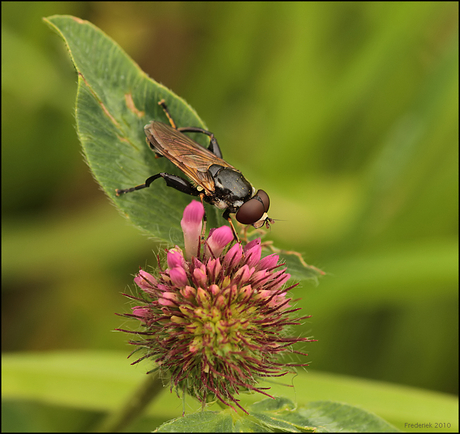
188 292
246 292
141 312
233 256
178 277
175 258
145 281
217 240
214 289
200 277
168 299
268 262
214 268
243 274
252 252
191 223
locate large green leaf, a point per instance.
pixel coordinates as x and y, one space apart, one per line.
101 381
281 415
115 99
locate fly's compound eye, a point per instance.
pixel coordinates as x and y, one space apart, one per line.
253 210
265 199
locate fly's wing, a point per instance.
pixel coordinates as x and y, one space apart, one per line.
183 152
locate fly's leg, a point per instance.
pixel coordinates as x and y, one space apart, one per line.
213 145
173 181
226 216
205 219
162 104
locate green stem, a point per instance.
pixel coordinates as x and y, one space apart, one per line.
134 406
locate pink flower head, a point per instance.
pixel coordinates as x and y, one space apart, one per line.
217 319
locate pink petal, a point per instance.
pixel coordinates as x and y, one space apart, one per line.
145 281
280 299
260 278
252 252
166 302
217 240
162 287
251 244
188 292
168 299
246 291
199 276
243 274
214 289
191 223
141 312
175 258
268 262
221 302
178 277
196 263
278 280
265 293
213 268
233 256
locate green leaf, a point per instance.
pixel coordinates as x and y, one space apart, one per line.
206 421
102 381
298 268
115 100
320 416
281 415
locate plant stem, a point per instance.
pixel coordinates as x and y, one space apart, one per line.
133 407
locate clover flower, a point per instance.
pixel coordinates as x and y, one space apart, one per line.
216 319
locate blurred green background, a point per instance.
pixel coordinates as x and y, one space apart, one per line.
346 113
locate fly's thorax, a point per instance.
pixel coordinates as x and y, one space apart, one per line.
219 203
231 187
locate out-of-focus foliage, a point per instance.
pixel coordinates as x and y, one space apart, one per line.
346 113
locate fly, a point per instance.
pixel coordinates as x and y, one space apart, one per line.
213 179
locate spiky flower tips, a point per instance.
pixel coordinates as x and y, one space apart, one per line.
215 320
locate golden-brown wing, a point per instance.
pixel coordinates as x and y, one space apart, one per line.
194 160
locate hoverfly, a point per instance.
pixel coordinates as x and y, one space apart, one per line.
214 180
